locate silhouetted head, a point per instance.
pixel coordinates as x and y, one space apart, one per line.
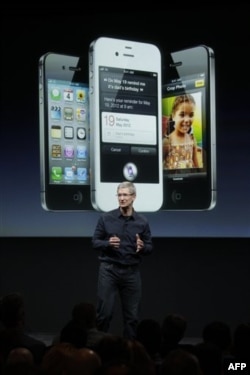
173 328
180 362
218 333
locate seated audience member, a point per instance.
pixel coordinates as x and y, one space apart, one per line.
130 358
65 359
20 361
219 334
85 314
173 330
89 360
74 334
241 343
60 359
180 362
113 347
117 367
150 335
13 334
20 355
210 358
140 359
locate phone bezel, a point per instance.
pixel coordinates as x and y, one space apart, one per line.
139 59
194 191
59 197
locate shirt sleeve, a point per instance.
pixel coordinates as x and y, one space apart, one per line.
99 239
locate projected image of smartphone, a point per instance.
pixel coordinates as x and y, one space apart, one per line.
189 129
64 132
125 110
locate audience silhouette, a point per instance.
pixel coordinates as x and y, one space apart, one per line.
74 333
210 358
180 362
65 359
83 323
113 347
20 361
17 355
219 334
90 360
149 333
81 349
85 314
117 367
241 343
13 333
140 359
173 330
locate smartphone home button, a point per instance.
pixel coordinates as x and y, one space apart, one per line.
77 197
176 196
130 171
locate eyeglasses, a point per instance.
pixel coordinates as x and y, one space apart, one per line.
123 195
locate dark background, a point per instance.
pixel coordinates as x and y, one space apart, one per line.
202 279
200 267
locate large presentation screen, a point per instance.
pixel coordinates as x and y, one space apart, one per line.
21 211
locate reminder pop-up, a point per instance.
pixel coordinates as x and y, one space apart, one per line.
128 128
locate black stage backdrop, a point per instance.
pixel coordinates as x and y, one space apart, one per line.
202 279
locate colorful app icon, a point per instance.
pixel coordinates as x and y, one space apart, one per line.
69 173
81 96
68 113
55 112
81 133
56 131
68 132
81 114
81 152
69 151
56 173
82 174
56 151
68 95
55 94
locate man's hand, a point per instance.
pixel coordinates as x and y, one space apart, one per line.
114 241
139 243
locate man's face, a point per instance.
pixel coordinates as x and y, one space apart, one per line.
125 198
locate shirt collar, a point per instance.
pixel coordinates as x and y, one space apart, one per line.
119 214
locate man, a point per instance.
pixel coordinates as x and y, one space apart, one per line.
123 237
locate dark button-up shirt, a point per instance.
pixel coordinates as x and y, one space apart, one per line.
125 227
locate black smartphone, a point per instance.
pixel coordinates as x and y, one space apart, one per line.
64 132
189 129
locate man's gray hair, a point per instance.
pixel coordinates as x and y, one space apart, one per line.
127 185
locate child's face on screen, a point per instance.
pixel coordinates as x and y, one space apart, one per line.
183 117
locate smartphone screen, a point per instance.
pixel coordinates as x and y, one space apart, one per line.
188 130
128 126
126 119
64 133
